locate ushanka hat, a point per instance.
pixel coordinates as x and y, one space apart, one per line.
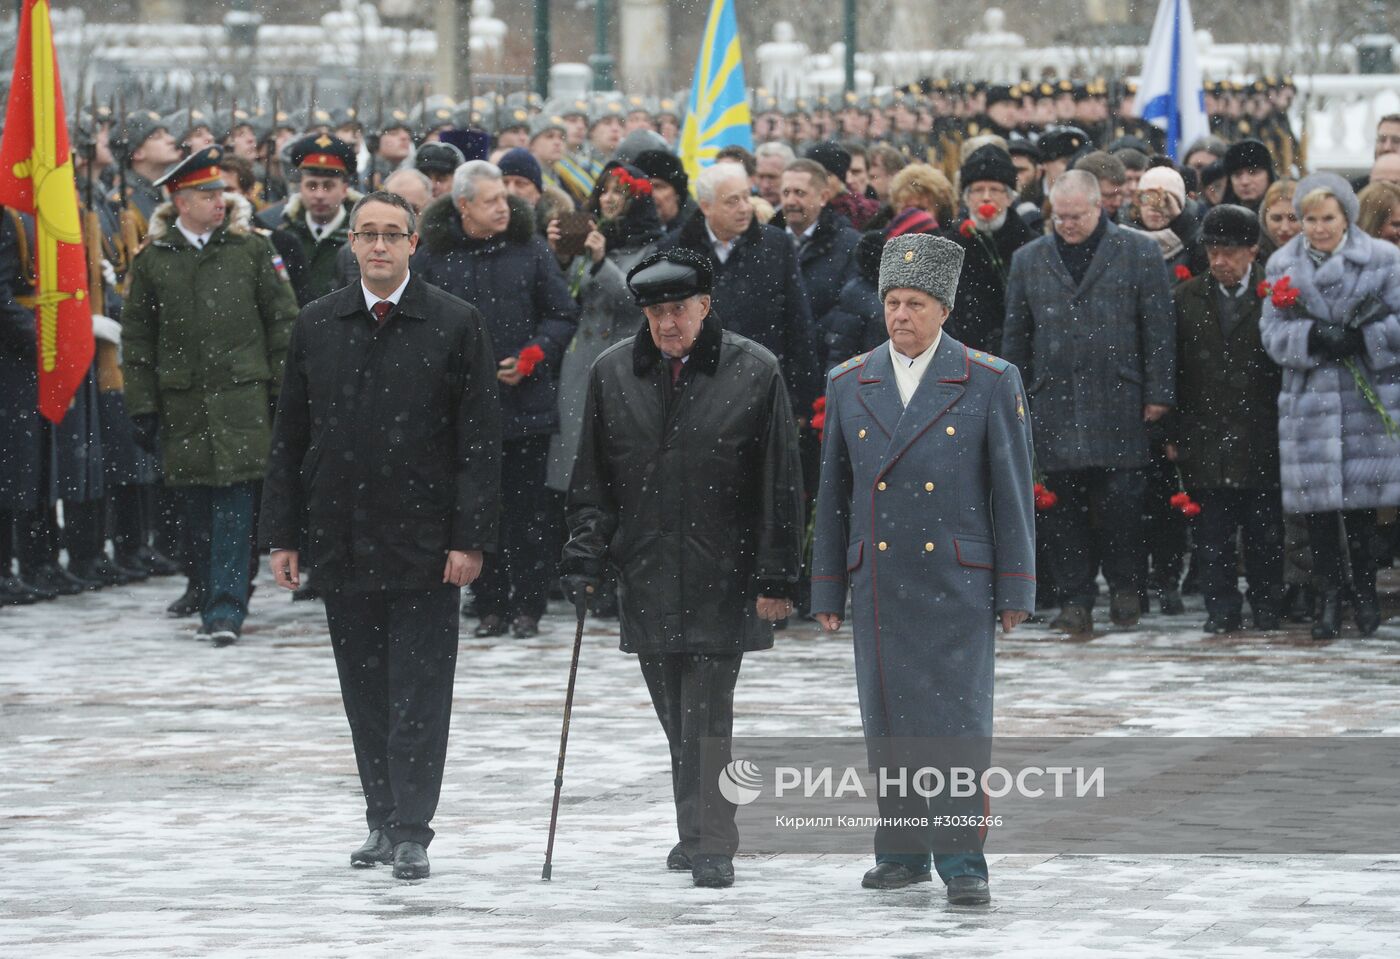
921 261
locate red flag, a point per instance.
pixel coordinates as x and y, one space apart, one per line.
36 176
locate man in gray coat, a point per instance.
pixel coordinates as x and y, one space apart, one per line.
925 512
1089 317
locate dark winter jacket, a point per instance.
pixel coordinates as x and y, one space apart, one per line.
1226 423
759 294
856 323
386 449
693 494
318 273
204 336
979 306
827 260
515 282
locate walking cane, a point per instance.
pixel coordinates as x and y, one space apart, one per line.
564 741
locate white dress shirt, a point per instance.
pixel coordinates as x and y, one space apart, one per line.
721 248
907 372
394 297
197 240
322 230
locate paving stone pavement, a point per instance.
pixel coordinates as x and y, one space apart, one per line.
159 797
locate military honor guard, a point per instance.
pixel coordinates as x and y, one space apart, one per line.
688 484
925 514
318 215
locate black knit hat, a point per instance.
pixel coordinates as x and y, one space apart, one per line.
989 162
1248 154
1230 225
832 156
664 166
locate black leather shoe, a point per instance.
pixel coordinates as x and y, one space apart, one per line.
375 849
1367 613
131 567
1170 601
1075 620
101 570
157 562
223 632
52 578
893 875
1222 624
969 891
14 592
1125 609
677 859
712 872
524 627
491 626
190 603
1329 616
43 592
410 861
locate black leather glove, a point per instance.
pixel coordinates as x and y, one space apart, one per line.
579 588
1334 341
144 429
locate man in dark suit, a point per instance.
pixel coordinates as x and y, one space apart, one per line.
386 451
1225 430
1089 319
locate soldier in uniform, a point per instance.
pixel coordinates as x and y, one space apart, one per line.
319 215
205 328
145 149
935 438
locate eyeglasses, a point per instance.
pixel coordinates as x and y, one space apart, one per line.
1060 218
390 239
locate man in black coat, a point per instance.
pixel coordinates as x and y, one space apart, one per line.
481 246
990 231
758 288
386 453
687 481
823 238
1225 429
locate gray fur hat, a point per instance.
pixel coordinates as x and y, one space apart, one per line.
921 261
1333 184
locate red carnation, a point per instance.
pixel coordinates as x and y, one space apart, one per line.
1182 272
528 359
988 211
819 424
819 404
968 228
1263 289
1191 509
643 186
1179 500
1044 498
1285 294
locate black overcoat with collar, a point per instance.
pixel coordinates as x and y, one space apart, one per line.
386 446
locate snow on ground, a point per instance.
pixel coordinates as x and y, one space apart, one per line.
159 797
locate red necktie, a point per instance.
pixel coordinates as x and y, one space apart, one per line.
381 311
677 365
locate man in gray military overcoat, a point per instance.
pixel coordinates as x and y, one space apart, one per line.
925 511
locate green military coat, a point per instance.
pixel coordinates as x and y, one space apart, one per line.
204 337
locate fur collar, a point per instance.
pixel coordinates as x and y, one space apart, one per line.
704 356
441 226
237 221
294 212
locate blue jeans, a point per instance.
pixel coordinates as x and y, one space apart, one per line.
220 522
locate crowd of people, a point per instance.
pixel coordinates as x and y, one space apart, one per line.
1210 348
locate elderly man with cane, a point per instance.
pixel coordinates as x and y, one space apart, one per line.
925 511
688 482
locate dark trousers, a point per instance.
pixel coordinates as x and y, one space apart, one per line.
1257 515
955 847
1164 528
85 531
396 653
694 698
514 579
1097 508
219 521
130 519
1325 534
